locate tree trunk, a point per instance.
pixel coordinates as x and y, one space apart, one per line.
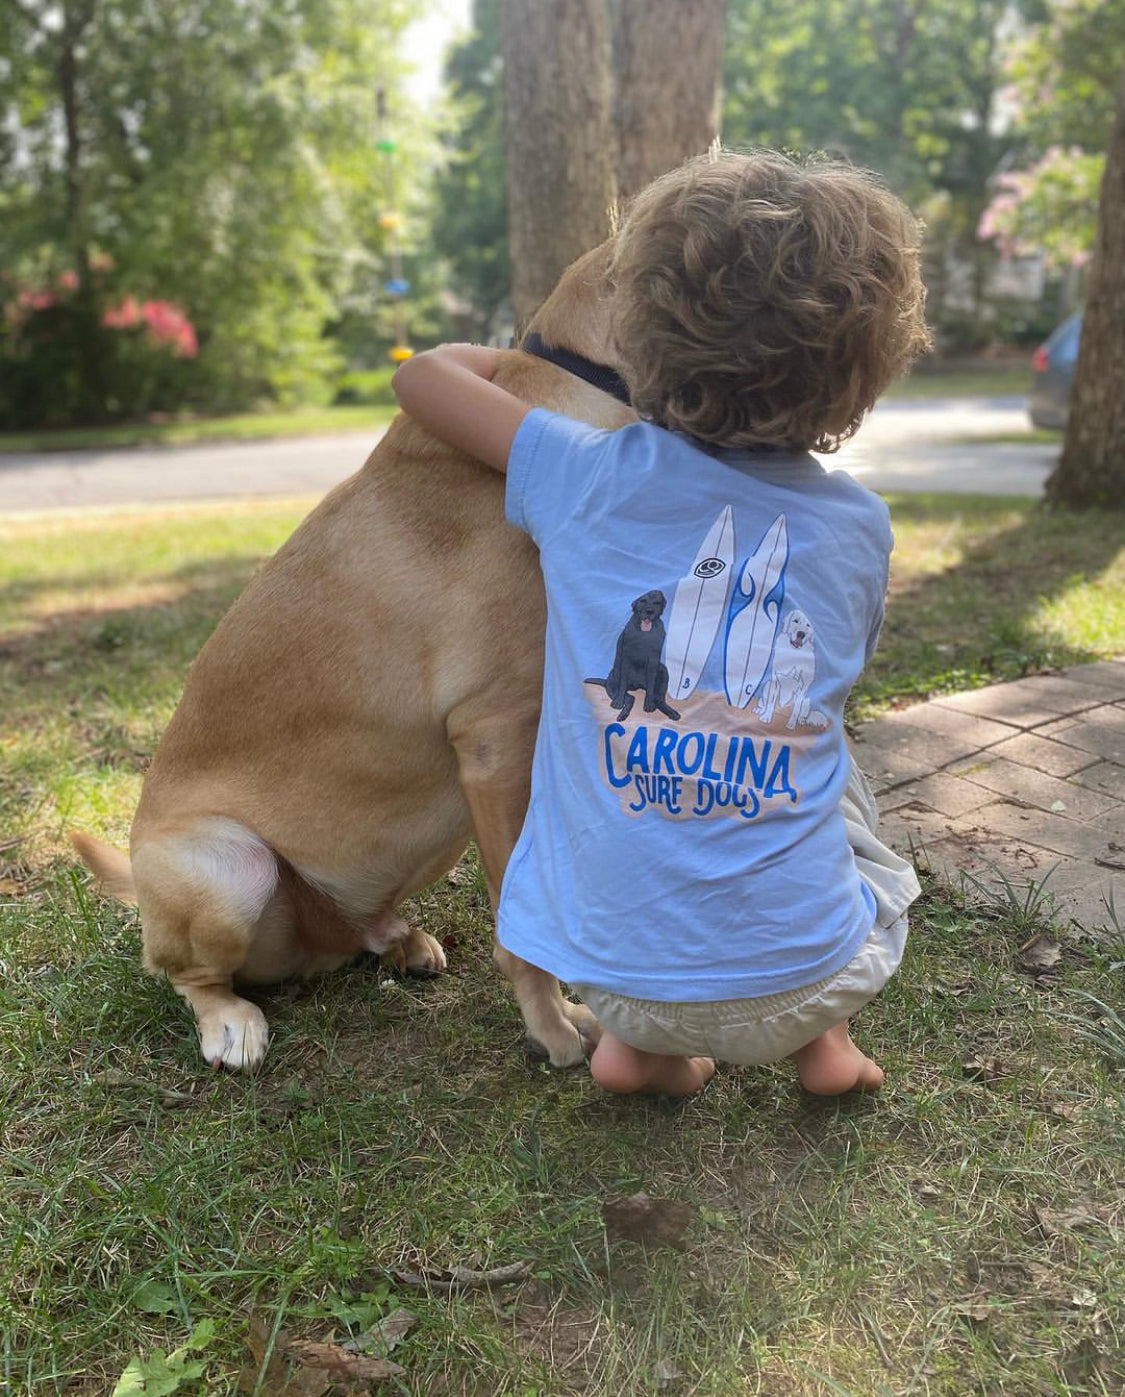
1091 470
557 135
668 67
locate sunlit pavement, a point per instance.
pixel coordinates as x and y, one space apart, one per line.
920 446
910 445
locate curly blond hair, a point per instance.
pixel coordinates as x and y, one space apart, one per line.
762 301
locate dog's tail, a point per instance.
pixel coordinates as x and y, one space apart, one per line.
109 866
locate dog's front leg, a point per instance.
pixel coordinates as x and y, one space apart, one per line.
232 1031
494 756
798 709
652 685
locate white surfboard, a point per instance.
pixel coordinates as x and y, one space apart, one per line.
699 606
751 631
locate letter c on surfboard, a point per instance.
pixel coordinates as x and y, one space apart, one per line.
754 609
698 608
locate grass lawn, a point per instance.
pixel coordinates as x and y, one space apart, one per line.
247 426
961 1234
990 381
986 380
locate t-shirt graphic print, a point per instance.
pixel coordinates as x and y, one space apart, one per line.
728 753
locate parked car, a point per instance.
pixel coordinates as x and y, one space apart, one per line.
1052 373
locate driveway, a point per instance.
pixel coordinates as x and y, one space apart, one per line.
906 445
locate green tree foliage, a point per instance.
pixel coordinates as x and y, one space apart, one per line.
1064 72
470 219
906 87
204 152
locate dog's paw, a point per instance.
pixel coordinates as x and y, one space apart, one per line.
584 1021
424 954
234 1037
564 1046
417 954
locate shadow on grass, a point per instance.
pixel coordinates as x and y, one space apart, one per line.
231 570
980 620
134 655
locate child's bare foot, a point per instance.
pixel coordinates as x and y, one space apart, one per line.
621 1068
832 1064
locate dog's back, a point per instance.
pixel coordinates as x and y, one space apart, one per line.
318 712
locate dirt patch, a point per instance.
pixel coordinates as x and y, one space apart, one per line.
565 1339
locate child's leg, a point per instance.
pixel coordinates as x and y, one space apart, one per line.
832 1064
619 1067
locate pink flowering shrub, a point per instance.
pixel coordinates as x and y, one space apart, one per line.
167 325
1050 208
124 316
141 350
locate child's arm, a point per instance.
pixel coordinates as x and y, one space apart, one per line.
450 392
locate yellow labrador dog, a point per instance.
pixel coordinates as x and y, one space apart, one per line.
368 704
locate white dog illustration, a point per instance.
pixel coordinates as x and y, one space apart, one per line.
792 674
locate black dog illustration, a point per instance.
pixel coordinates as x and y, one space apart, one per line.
637 663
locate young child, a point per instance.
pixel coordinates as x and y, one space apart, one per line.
699 859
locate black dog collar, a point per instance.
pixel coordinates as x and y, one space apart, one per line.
607 379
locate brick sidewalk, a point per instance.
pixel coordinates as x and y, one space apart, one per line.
1018 778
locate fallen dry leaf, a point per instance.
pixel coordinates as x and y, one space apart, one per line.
319 1366
641 1218
463 1277
665 1372
8 886
1055 1221
988 1069
1039 955
977 1310
1084 1364
342 1366
277 1381
383 1337
1065 1110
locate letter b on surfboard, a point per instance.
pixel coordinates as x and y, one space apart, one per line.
754 609
699 607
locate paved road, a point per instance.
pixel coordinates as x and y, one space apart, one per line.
913 446
906 445
31 482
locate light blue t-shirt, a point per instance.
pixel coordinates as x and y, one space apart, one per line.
707 613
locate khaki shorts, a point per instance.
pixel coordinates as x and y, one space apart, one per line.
754 1031
750 1032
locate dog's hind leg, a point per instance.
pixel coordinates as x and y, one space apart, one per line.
495 766
202 893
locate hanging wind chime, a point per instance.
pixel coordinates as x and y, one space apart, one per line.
396 287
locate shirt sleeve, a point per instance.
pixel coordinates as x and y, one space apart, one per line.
553 462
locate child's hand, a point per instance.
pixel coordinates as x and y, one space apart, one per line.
449 391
